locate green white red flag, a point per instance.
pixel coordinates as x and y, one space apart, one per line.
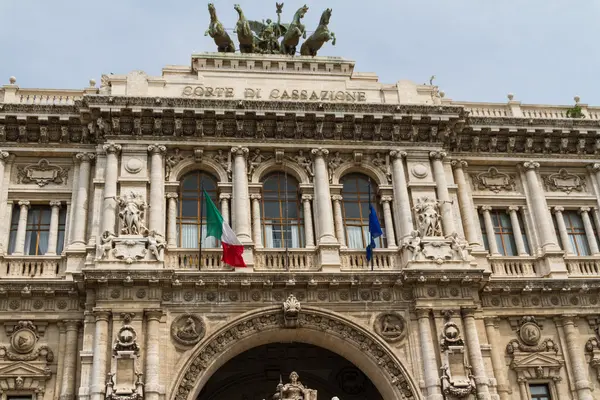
219 229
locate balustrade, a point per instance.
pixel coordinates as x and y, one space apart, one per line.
583 266
48 97
383 259
32 267
189 259
513 266
279 259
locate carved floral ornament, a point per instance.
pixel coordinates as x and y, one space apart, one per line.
565 182
42 173
494 181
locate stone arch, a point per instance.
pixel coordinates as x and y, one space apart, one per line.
317 326
206 164
363 168
271 166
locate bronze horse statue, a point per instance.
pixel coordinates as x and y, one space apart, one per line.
217 32
244 32
294 32
313 44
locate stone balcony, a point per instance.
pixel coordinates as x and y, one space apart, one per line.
514 267
32 267
583 266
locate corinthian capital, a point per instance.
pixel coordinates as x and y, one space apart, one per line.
559 209
85 157
320 152
307 197
240 151
24 203
337 197
112 148
397 154
584 210
157 149
172 195
531 165
486 208
55 203
386 199
458 164
437 155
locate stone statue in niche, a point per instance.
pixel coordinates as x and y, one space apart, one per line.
133 208
428 217
294 390
187 329
291 310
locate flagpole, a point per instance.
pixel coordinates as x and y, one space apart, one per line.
370 233
201 216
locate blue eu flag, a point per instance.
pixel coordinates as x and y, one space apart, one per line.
374 231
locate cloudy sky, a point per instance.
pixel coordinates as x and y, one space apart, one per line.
543 51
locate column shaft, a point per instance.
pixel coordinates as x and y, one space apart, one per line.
53 234
172 220
225 206
241 200
489 230
67 391
430 365
339 219
111 175
441 183
389 224
540 207
562 231
323 198
21 229
256 222
589 229
3 158
152 377
98 385
81 208
308 223
578 365
465 203
523 391
516 227
156 217
497 359
474 348
404 224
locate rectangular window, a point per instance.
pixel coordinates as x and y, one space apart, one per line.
576 233
18 398
486 244
503 233
539 392
37 230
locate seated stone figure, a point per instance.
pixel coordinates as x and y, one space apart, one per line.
294 390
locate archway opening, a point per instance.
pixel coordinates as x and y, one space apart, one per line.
255 373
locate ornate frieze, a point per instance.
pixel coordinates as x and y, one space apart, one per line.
494 181
42 173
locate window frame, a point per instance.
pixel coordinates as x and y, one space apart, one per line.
36 229
573 233
546 385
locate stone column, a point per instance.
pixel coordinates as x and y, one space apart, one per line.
241 200
225 197
98 385
523 390
3 158
172 220
256 222
404 224
465 203
67 390
562 230
516 227
579 367
439 174
81 207
156 217
323 198
430 365
489 230
21 228
111 175
53 234
309 235
476 358
540 207
497 356
389 224
589 229
339 219
152 388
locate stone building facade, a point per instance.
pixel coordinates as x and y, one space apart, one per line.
484 285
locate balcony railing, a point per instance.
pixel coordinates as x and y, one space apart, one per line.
583 266
32 267
279 259
517 267
189 259
356 260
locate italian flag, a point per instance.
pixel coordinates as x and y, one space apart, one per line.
219 229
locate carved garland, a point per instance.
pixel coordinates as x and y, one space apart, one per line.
273 319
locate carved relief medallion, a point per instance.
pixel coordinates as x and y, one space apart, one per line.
24 337
530 333
390 326
188 329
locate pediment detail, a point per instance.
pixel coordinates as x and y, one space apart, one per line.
24 369
531 366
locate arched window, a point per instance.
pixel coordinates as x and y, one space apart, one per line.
282 217
189 212
355 194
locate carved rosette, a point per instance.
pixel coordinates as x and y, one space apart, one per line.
390 326
188 329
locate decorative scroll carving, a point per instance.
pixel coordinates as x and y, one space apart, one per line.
291 310
124 365
42 174
494 180
188 329
390 326
564 181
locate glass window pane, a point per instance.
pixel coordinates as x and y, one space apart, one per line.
351 210
190 182
271 210
500 245
189 208
510 248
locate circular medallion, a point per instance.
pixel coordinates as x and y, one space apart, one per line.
407 295
133 165
322 296
211 296
387 296
188 296
233 296
256 296
574 301
530 333
419 171
115 293
390 326
14 304
344 295
554 300
515 301
495 301
535 301
188 329
38 304
593 300
365 295
140 294
167 296
431 292
454 292
61 304
23 341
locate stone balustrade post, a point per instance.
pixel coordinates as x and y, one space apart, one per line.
53 231
339 219
516 228
589 230
172 220
497 356
111 175
389 224
101 340
153 388
156 214
80 209
256 220
562 230
19 248
489 230
323 198
579 368
476 358
69 369
443 195
241 197
225 197
309 235
540 207
465 203
430 365
402 210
